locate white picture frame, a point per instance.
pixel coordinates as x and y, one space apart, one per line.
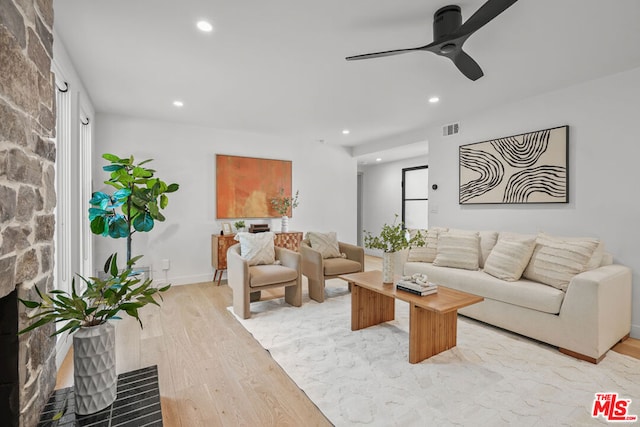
226 228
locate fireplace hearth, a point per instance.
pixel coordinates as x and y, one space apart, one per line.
9 383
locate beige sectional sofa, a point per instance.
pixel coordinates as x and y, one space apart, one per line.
584 316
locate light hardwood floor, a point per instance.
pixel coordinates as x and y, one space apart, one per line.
212 372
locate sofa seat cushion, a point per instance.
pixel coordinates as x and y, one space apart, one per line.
335 266
264 275
524 293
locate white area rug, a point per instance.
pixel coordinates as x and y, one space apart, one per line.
491 378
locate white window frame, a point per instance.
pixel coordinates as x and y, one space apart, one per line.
405 199
85 190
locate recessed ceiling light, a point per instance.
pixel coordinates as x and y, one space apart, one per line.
204 26
434 99
178 103
378 159
346 131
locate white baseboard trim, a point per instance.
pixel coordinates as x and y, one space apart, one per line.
635 331
185 280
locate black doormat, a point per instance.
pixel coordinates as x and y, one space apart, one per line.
137 404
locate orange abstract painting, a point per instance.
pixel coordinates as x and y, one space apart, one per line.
246 185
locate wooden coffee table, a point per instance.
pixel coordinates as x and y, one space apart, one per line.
433 319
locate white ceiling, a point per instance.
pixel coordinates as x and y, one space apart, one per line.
278 67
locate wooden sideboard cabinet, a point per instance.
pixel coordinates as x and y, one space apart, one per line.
219 245
289 240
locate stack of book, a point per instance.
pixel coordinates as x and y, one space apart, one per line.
417 288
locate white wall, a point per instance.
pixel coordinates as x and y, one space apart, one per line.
382 194
325 175
604 176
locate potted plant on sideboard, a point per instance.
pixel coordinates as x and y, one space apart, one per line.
86 315
239 225
392 238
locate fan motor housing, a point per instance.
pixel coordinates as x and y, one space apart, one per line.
446 20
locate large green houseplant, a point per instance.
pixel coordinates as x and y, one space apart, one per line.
136 203
103 299
86 315
392 239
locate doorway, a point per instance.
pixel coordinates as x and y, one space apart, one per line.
415 197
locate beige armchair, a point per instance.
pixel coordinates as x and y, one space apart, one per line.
245 280
318 269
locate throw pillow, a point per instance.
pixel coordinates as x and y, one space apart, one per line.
428 252
487 239
325 243
257 248
509 258
598 253
555 262
458 250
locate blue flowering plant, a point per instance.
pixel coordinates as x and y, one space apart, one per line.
136 203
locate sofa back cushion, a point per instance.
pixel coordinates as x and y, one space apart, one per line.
509 258
516 236
458 250
488 240
554 262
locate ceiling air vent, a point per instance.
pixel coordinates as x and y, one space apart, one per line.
452 129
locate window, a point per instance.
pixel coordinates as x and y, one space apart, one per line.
84 192
63 187
415 193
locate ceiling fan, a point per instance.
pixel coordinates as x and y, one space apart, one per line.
449 34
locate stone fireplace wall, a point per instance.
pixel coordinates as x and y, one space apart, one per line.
27 188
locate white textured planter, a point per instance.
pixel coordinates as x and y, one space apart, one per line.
285 224
387 267
94 368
